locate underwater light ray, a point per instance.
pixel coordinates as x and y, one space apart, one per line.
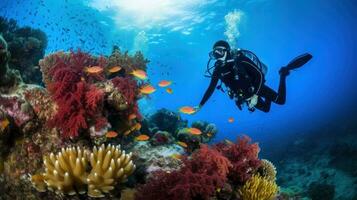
147 15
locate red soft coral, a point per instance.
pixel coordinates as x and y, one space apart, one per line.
79 102
244 159
199 178
128 87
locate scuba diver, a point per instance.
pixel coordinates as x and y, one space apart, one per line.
243 74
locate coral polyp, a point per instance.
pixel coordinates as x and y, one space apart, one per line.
66 171
109 165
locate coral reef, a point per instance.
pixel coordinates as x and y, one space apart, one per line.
166 120
260 188
162 138
127 62
209 130
66 172
79 102
155 158
27 46
199 178
244 157
10 79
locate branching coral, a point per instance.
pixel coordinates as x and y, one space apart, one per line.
129 89
79 101
199 178
267 170
67 172
244 158
258 188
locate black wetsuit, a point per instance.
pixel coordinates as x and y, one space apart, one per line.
240 79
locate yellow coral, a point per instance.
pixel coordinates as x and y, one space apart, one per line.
66 172
108 165
69 172
258 188
267 170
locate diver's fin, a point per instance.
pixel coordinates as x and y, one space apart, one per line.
299 61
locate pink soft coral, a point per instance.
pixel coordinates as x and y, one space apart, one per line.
199 178
79 102
244 159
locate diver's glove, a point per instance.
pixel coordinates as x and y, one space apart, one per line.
252 101
197 108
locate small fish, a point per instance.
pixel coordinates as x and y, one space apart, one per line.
111 134
140 74
169 90
136 127
228 142
194 131
4 124
187 110
93 70
132 116
231 120
147 89
114 69
165 83
209 134
182 144
142 138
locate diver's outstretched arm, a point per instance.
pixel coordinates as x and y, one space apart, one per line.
210 89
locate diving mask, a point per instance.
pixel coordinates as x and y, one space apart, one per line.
218 53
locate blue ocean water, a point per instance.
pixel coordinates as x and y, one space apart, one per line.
176 37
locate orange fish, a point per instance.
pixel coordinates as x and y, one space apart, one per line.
131 116
194 131
114 69
111 134
137 127
169 90
165 83
147 89
231 120
182 144
93 70
140 74
176 156
187 110
4 124
142 138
